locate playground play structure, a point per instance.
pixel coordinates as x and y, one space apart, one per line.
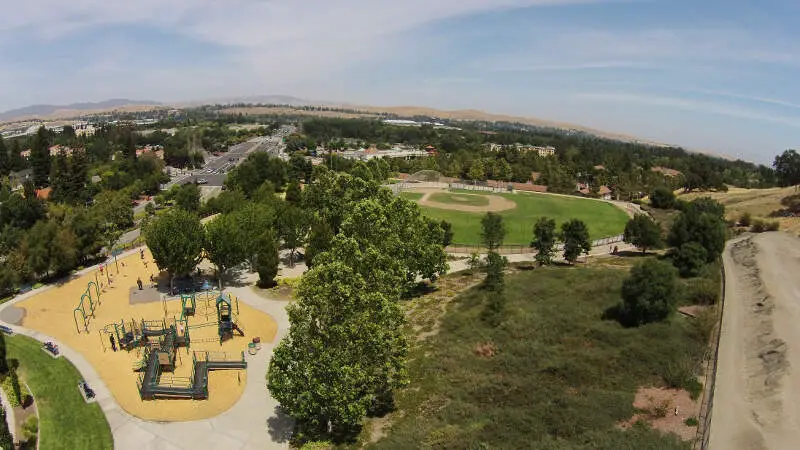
86 300
159 340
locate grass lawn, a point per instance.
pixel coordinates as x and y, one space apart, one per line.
65 420
603 219
560 376
459 199
413 196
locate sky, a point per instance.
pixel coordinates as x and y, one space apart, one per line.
711 75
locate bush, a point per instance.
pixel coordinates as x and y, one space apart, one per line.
691 422
30 429
662 197
758 226
694 387
689 259
11 388
745 219
773 226
678 374
649 293
703 292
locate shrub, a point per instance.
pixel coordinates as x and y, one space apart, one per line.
11 387
703 292
745 219
678 374
691 422
694 387
30 429
317 445
758 226
649 293
773 226
474 262
689 258
662 197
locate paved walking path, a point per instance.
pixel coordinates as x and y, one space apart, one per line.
253 423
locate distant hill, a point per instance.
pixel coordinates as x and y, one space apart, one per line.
47 111
257 100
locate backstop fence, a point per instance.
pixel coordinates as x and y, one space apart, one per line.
521 248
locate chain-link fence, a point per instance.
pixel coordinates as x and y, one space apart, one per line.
521 248
711 358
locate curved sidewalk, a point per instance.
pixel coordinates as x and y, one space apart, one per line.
253 423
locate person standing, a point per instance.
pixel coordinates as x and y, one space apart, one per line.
113 342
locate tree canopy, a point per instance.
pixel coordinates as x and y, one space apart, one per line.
493 231
575 235
643 232
787 168
544 240
176 240
649 293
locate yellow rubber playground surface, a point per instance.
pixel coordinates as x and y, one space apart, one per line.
51 312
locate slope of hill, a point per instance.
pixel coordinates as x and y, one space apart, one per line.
42 111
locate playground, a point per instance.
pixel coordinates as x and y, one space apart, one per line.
163 357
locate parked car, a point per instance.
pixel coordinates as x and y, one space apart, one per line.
202 181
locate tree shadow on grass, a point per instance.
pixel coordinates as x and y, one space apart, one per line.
618 314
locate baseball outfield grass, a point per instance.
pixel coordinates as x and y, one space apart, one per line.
603 219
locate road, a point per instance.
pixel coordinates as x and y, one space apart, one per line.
755 402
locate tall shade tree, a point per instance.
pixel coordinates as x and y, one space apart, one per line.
267 258
704 228
253 219
293 193
544 240
188 197
319 241
649 293
643 232
344 353
787 168
293 225
493 231
495 284
176 240
5 160
40 157
224 244
575 235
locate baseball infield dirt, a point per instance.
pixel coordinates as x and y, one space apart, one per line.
758 376
496 202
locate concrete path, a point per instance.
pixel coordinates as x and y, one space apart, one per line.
253 423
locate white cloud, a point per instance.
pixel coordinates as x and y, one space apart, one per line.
723 109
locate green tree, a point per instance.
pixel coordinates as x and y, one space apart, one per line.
643 232
60 178
6 440
5 161
253 219
361 170
293 193
477 171
40 157
319 241
575 236
293 225
689 258
187 197
267 259
224 244
495 284
493 231
704 228
787 168
544 240
447 229
344 354
176 241
662 197
3 362
649 293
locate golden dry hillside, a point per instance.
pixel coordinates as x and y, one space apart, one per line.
758 202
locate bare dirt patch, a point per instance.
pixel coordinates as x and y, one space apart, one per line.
496 202
665 410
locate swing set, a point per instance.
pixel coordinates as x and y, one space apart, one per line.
86 301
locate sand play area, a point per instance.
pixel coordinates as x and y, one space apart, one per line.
463 201
758 376
51 312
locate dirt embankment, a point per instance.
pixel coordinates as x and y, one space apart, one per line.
758 376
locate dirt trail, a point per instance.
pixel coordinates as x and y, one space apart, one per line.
758 375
